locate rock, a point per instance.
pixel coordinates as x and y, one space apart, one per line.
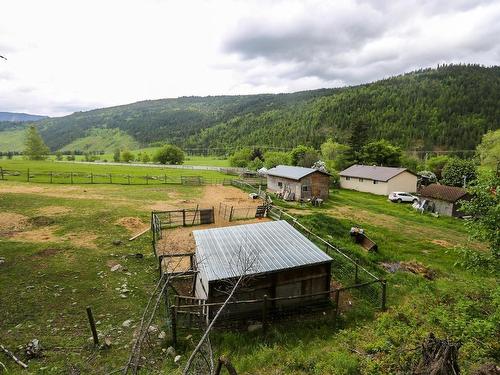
116 267
171 352
106 344
33 349
123 295
254 327
117 242
127 323
152 329
162 335
2 260
177 358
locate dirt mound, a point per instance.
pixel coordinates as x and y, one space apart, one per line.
10 221
54 210
412 267
133 224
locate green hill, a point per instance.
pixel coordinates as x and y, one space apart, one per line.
450 107
102 139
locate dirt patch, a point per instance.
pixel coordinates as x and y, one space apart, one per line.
10 221
44 234
133 224
81 239
162 206
213 195
41 221
412 267
442 243
176 264
54 210
47 253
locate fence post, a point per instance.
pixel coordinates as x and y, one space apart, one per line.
184 218
231 214
264 314
173 320
110 179
28 175
147 180
384 295
91 178
128 177
165 177
50 177
71 177
335 317
92 326
1 173
356 275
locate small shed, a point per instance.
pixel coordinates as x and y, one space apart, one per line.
444 199
378 180
298 183
276 259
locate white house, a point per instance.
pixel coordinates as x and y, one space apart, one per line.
378 180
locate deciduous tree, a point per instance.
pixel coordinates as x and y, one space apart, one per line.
169 154
35 147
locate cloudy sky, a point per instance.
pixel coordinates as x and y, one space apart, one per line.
66 56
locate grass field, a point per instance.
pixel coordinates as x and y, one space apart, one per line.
55 267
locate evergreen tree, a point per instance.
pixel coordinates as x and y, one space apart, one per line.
35 147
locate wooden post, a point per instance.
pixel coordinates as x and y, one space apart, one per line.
28 175
71 176
128 176
147 180
264 314
231 214
165 177
174 325
50 177
92 326
384 295
110 179
335 317
1 173
183 218
229 367
91 178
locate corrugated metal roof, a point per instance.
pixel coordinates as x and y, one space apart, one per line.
293 173
372 172
443 192
270 246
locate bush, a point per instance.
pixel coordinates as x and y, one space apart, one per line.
169 154
304 156
255 164
241 158
274 158
458 170
127 156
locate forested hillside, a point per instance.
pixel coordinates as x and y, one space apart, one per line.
446 108
20 117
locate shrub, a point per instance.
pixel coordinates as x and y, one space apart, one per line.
169 154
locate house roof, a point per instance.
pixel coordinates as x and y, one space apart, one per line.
292 173
372 172
271 246
443 192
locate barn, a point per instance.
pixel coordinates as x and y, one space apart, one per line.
277 261
378 180
298 183
444 199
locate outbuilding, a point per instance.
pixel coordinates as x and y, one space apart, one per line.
276 260
378 180
444 199
298 183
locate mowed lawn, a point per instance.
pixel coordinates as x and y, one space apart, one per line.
64 264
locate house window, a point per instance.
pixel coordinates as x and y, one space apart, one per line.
305 188
375 182
347 178
360 180
280 184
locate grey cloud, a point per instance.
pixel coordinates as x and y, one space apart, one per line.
365 41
